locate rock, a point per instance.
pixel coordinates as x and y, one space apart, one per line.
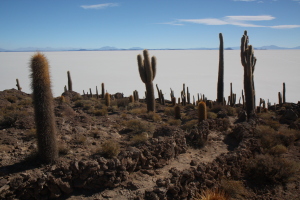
193 163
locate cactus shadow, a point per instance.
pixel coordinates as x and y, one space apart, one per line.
30 162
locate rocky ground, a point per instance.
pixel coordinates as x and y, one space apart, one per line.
122 152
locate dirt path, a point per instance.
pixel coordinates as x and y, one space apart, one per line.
141 182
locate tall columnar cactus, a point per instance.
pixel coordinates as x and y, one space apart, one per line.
248 61
18 85
177 112
102 90
173 101
107 99
136 95
279 99
147 72
43 108
188 95
70 81
283 92
220 88
202 113
97 95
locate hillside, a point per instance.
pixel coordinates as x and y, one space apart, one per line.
119 151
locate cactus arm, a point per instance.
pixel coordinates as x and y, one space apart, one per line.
153 63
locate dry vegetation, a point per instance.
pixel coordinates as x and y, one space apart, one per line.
88 130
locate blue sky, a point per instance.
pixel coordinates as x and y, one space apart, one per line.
147 23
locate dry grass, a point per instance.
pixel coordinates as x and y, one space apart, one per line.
139 126
174 122
278 150
190 125
169 111
210 194
233 188
211 115
139 138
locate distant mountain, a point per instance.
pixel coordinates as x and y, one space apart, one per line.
110 48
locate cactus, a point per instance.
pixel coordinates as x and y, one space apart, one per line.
188 95
102 90
65 89
69 81
279 99
173 101
158 93
91 94
172 93
283 92
162 98
202 114
248 61
220 88
136 95
147 72
177 112
131 99
18 85
107 99
97 95
43 108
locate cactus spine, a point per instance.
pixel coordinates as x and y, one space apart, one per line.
248 61
147 72
69 81
202 114
18 85
43 108
220 88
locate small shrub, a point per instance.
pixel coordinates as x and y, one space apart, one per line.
11 99
278 150
216 108
286 136
26 102
189 107
153 116
174 122
139 138
136 111
110 149
268 136
190 125
211 115
169 111
230 110
79 103
101 112
63 149
138 126
233 188
267 169
226 124
9 118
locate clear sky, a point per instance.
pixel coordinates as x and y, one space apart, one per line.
147 23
